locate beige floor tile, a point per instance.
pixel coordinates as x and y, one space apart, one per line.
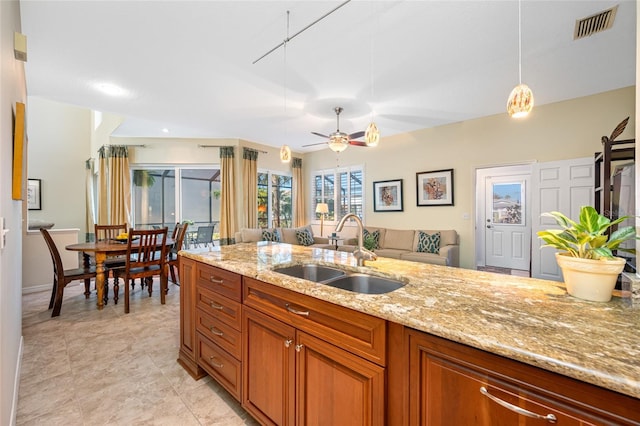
90 367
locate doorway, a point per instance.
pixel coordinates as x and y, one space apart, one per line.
503 217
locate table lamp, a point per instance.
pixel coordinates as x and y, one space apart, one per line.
322 208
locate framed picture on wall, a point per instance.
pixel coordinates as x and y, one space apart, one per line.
34 194
435 188
387 196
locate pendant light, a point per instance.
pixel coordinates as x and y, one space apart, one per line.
520 101
285 151
371 134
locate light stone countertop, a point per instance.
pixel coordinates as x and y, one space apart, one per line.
529 320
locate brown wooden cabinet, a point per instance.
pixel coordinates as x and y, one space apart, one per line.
452 384
211 324
294 375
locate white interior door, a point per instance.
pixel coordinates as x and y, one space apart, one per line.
562 186
507 230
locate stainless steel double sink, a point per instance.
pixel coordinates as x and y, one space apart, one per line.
356 282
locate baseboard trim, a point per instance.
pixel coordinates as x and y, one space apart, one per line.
36 289
16 384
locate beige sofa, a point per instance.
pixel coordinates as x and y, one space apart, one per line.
288 236
403 244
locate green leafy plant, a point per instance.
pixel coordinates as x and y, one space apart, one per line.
587 238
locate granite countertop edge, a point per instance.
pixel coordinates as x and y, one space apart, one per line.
525 319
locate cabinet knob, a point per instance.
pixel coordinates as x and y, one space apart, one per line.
299 347
550 418
288 343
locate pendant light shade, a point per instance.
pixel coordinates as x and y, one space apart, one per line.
285 154
520 101
372 135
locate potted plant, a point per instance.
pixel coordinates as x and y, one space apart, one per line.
589 268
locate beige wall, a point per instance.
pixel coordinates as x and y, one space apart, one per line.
564 130
59 145
12 90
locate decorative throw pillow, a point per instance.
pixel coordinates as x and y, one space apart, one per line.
304 237
271 235
428 243
372 239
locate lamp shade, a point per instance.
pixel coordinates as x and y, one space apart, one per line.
372 135
322 208
520 101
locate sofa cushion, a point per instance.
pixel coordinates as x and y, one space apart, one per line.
304 237
271 235
288 235
432 258
428 243
381 232
392 253
447 237
399 239
251 235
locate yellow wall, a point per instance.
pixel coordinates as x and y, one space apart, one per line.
563 130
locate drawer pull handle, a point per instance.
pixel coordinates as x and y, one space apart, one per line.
215 364
294 311
549 417
214 305
299 347
215 331
288 343
215 280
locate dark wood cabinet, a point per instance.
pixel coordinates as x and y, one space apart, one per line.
293 376
452 384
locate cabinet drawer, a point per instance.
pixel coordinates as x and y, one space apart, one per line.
220 365
224 282
219 307
358 333
219 333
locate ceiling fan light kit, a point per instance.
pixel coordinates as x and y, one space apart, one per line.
338 141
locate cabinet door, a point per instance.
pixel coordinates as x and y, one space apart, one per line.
268 369
187 354
335 387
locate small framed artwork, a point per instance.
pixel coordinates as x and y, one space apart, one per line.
435 188
34 194
387 196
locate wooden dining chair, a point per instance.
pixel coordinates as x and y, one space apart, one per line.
146 258
61 276
106 233
172 256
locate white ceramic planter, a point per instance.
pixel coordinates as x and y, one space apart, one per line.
590 279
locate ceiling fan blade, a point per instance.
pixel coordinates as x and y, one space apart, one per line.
320 134
356 135
357 143
314 144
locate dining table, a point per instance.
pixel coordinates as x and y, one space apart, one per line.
100 251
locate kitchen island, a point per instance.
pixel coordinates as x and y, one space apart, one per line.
527 320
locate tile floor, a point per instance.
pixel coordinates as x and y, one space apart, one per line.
90 367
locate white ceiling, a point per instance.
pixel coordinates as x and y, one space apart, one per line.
187 66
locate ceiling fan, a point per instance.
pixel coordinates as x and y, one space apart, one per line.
339 141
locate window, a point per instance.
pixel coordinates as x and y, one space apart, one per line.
157 192
341 189
275 204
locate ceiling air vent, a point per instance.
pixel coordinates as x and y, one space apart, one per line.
595 23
